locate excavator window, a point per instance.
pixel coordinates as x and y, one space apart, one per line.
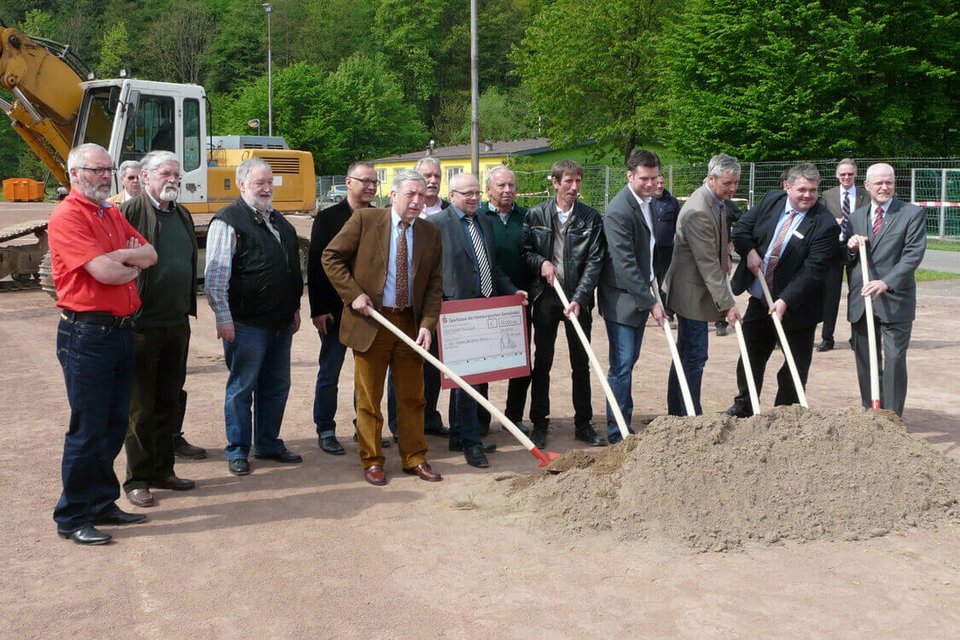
152 127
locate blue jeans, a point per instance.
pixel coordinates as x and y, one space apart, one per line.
624 342
332 353
692 344
97 363
259 364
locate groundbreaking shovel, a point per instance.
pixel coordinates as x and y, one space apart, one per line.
677 364
871 336
787 353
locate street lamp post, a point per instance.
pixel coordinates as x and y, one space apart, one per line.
268 9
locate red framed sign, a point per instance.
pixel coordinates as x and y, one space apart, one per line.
484 339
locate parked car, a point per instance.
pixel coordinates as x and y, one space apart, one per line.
337 193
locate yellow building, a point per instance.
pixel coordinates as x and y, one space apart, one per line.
456 159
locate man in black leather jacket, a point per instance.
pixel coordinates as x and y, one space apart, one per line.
563 239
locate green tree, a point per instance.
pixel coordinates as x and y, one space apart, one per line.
238 50
178 42
114 51
502 114
795 79
589 69
39 23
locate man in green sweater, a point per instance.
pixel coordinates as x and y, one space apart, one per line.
506 218
161 333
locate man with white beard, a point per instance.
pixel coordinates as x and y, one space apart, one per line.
161 332
254 285
96 258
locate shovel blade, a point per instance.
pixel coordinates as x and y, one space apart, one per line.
545 457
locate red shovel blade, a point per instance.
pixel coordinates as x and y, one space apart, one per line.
875 404
545 457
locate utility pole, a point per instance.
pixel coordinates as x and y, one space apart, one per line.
268 9
474 94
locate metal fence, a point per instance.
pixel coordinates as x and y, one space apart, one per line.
933 183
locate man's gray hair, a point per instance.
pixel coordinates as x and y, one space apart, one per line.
152 161
128 164
721 164
248 165
405 175
849 161
873 169
427 160
75 157
499 167
806 170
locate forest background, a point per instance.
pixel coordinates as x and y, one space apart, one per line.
359 79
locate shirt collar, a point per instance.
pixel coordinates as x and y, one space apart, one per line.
395 218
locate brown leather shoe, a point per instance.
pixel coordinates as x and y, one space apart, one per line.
140 497
374 475
173 483
425 472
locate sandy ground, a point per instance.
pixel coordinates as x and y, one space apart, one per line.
312 550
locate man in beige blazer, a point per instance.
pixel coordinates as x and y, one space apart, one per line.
389 260
696 282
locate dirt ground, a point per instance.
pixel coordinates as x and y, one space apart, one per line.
312 550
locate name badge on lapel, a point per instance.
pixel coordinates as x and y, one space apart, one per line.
798 234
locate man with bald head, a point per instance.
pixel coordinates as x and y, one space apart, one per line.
96 258
893 234
470 271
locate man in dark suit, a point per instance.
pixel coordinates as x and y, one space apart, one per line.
469 271
789 239
389 260
326 307
894 235
841 201
665 226
624 294
563 238
696 283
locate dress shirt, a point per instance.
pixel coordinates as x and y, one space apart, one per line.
390 286
756 290
645 208
432 210
563 215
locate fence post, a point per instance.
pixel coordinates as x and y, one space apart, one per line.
671 178
943 203
606 187
753 172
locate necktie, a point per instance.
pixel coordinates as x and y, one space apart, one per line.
778 247
845 218
483 265
724 241
878 221
403 275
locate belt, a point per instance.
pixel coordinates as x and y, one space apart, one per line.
98 317
397 310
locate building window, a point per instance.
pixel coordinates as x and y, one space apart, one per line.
452 171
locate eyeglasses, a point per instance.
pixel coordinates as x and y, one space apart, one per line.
467 194
365 181
100 171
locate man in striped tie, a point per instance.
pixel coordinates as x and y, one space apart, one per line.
789 239
469 271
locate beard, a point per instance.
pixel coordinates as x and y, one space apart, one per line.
260 204
169 193
91 191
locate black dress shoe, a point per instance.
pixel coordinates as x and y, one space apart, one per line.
738 411
437 430
141 497
825 345
330 444
239 467
539 436
384 442
119 517
183 449
487 446
284 455
87 535
589 435
475 457
173 483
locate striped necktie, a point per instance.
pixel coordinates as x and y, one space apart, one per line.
878 221
845 218
724 240
483 265
778 248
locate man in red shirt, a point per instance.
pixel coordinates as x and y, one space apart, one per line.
96 257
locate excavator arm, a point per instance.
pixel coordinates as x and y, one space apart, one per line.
45 82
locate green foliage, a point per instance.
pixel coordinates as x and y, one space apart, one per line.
588 65
357 111
788 78
237 53
114 51
409 37
40 23
178 41
503 116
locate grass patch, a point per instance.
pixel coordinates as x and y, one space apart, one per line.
927 275
943 245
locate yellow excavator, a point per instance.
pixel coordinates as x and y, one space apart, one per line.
57 104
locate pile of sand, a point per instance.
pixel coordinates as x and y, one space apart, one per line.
716 483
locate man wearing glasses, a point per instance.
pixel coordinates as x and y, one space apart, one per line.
96 258
326 307
130 186
469 271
